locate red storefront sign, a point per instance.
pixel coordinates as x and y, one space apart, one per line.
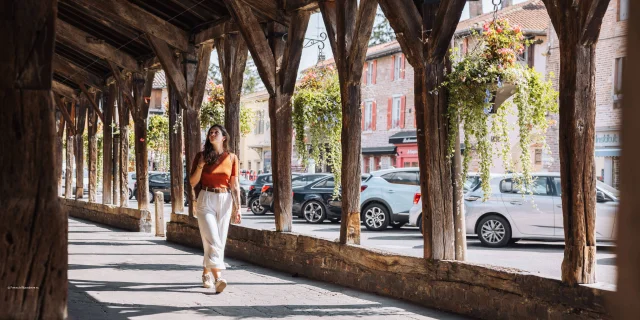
407 155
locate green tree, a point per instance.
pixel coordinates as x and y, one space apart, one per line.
212 111
382 31
158 138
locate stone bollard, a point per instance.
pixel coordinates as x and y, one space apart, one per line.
159 202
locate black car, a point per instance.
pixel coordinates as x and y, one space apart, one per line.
161 182
253 196
315 202
266 194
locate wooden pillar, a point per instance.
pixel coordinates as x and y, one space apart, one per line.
349 29
92 154
232 57
196 69
71 137
175 152
578 28
107 146
277 64
628 259
188 82
123 115
426 52
116 169
33 249
81 119
142 85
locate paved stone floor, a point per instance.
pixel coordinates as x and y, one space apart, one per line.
126 275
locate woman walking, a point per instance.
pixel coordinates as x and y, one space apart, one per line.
216 170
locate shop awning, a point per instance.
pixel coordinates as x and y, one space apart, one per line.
379 150
607 152
403 137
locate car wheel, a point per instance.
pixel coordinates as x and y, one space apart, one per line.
397 225
375 217
256 208
130 194
151 197
494 231
420 224
314 212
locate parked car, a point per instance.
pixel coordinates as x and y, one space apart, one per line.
131 183
253 196
315 202
386 197
266 192
509 215
245 184
161 181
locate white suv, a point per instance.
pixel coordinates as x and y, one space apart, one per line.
386 197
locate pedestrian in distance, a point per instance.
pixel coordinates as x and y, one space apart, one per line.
214 175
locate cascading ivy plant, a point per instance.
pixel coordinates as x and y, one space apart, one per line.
472 84
317 119
212 111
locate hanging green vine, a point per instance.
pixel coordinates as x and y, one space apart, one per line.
317 120
472 84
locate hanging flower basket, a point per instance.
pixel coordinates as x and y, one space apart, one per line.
485 85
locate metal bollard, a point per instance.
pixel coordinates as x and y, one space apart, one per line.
159 202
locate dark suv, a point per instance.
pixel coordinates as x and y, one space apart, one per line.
253 196
266 193
162 182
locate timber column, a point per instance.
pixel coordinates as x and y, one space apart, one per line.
33 249
277 63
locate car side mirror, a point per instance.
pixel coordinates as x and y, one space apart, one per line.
600 197
506 186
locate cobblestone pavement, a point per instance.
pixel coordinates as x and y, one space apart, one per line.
126 275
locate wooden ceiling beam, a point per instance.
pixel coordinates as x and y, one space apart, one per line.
76 73
64 90
447 19
65 113
126 13
81 40
172 69
307 5
269 9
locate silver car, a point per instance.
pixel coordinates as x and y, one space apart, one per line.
508 216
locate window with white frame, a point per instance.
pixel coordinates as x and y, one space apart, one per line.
372 165
368 115
395 113
617 82
397 65
369 72
623 10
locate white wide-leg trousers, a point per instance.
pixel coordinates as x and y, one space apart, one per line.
214 213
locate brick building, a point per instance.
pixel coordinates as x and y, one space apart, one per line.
610 57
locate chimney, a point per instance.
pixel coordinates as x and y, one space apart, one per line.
506 3
475 8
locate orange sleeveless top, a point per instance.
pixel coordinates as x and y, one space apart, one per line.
217 175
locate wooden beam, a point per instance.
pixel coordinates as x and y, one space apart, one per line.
329 13
269 9
364 25
292 54
405 19
92 101
129 14
593 21
172 69
63 90
214 31
81 40
65 113
75 73
308 5
256 41
119 78
445 24
625 300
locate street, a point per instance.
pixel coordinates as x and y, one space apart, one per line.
538 257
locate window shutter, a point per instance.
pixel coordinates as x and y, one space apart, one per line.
364 74
373 115
374 72
403 104
393 67
402 66
389 110
362 114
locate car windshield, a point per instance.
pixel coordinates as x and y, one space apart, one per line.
305 179
471 183
607 188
